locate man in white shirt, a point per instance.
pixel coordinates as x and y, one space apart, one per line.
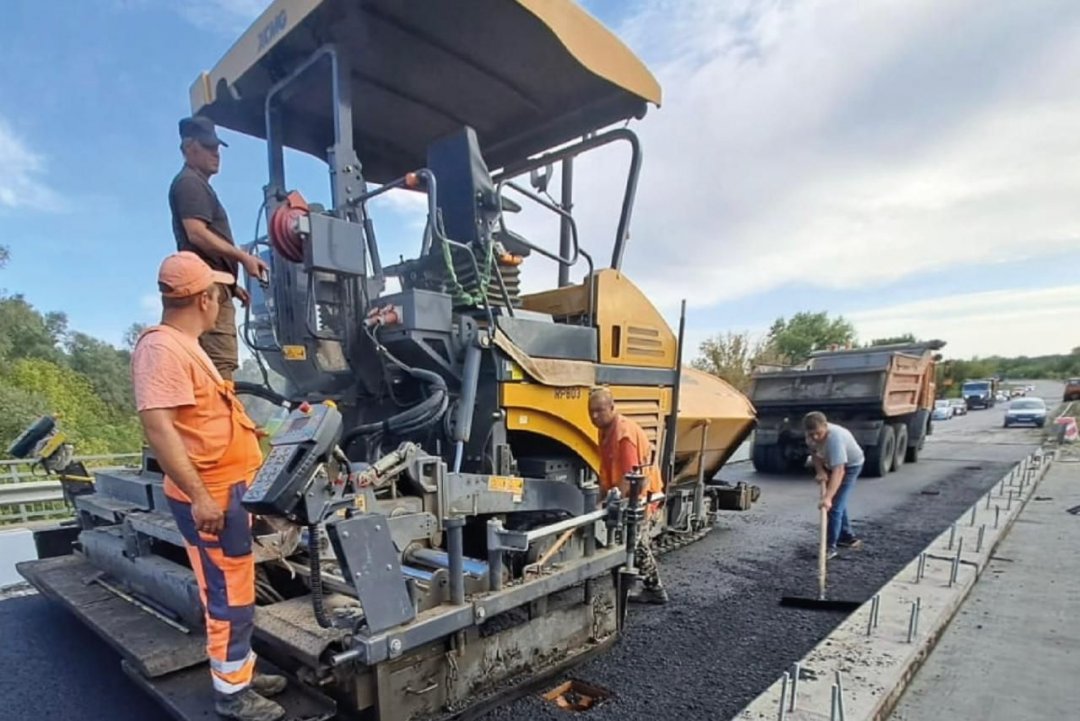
838 461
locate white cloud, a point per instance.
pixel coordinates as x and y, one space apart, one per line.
1033 322
844 145
22 186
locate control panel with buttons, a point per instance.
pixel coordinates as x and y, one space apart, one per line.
304 441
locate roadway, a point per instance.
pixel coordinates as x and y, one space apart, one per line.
721 640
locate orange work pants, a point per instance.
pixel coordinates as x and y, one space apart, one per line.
225 570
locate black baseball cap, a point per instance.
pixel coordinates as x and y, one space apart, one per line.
201 129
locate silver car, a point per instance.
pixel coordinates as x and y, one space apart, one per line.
1026 411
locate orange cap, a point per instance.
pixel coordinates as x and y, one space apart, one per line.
185 274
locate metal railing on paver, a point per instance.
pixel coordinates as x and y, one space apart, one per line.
28 494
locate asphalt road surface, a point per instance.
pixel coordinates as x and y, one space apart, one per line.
716 646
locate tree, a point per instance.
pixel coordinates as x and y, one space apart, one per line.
5 255
131 336
47 369
733 356
25 333
94 427
107 368
894 340
807 332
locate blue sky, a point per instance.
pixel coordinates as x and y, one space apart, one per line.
861 158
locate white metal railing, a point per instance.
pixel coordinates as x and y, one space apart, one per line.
28 494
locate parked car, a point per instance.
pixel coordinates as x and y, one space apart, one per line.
959 406
1072 389
1029 411
943 411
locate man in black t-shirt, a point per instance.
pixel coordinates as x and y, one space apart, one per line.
201 226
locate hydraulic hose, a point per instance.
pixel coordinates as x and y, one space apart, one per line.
413 419
315 565
261 391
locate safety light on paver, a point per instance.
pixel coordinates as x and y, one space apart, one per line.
973 509
997 515
952 536
922 567
1008 506
979 542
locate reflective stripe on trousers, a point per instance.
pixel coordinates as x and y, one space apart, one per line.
224 568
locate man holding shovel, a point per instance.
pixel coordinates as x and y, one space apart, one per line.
838 460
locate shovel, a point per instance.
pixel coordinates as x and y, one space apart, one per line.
821 603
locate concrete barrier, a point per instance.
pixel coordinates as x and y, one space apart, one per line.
865 665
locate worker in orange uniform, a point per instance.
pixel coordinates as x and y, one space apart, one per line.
624 447
209 451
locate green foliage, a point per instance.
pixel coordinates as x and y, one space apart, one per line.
47 369
894 340
20 408
951 374
26 333
131 336
731 356
93 425
807 332
107 369
734 356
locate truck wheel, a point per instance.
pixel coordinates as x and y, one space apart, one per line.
879 458
912 455
795 465
766 458
900 455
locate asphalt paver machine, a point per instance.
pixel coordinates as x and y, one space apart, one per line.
428 529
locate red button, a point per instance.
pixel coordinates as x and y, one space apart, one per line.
305 408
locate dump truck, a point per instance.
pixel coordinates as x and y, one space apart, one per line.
882 394
979 393
428 529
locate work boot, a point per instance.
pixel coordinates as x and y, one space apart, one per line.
831 554
656 596
267 684
247 705
852 543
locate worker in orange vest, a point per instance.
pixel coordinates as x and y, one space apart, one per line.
209 449
624 447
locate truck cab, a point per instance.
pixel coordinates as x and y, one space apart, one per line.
979 393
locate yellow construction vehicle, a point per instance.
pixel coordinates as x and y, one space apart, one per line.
437 539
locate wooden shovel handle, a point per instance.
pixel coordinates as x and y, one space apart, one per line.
822 547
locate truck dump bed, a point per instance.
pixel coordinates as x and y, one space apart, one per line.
887 382
881 394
